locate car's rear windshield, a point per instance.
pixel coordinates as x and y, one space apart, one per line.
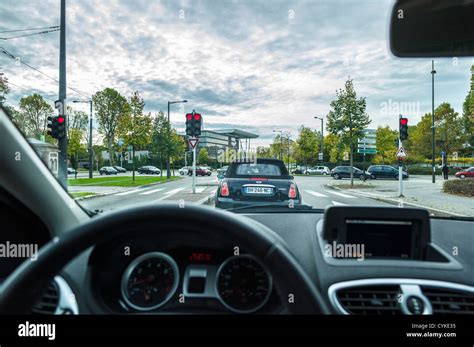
258 169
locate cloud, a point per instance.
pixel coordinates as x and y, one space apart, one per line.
255 65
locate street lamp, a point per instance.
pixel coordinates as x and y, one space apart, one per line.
91 166
168 173
433 71
322 138
281 141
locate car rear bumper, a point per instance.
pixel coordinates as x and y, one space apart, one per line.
226 203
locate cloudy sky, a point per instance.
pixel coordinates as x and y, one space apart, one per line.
255 65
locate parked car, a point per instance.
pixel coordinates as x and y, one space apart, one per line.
466 173
265 182
385 171
107 170
299 170
119 169
200 171
318 170
71 171
345 172
152 170
184 170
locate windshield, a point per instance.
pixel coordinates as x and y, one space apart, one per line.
235 104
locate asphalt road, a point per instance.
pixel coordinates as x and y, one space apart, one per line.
313 189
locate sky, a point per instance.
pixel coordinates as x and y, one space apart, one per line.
258 66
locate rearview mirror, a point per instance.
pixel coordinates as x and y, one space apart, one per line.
432 28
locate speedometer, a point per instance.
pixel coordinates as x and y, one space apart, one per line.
150 281
243 285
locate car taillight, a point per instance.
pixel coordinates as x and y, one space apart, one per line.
224 189
292 192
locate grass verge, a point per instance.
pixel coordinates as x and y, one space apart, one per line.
120 181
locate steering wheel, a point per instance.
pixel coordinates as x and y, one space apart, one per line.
25 284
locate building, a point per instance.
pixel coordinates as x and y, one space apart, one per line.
218 141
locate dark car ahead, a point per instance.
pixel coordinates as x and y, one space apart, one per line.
152 170
119 169
107 170
345 172
200 171
266 181
385 171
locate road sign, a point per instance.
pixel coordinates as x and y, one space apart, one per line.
193 142
401 153
320 156
366 151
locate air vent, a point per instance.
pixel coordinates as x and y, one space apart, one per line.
48 302
370 300
449 301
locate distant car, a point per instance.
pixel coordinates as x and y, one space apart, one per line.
71 171
299 170
385 171
184 170
151 170
265 182
222 169
107 170
119 169
345 172
318 170
466 173
200 171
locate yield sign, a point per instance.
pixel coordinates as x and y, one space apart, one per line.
193 142
401 153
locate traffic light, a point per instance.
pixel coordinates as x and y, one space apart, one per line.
61 127
189 125
57 126
403 127
197 124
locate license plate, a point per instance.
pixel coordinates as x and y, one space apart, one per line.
259 190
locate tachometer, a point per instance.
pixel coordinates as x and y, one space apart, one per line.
243 284
150 281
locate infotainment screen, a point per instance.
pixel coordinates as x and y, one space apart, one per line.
381 239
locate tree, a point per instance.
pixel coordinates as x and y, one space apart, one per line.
264 152
4 88
76 128
385 142
333 148
110 107
307 146
34 113
134 127
203 156
348 118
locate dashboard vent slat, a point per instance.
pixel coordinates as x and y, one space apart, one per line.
48 302
449 301
370 300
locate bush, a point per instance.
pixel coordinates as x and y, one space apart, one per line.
460 187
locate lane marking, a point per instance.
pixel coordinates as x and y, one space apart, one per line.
168 194
129 192
335 203
203 200
341 194
312 192
200 189
152 191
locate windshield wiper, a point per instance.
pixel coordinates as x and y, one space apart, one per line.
271 206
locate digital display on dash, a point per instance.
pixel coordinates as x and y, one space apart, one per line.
200 257
381 239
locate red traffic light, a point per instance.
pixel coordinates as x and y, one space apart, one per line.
61 119
197 116
189 116
404 121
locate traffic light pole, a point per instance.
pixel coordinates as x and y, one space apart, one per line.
62 142
194 169
400 172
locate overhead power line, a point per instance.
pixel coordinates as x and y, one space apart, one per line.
10 55
24 35
28 90
29 29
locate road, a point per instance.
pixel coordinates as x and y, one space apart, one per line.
313 189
